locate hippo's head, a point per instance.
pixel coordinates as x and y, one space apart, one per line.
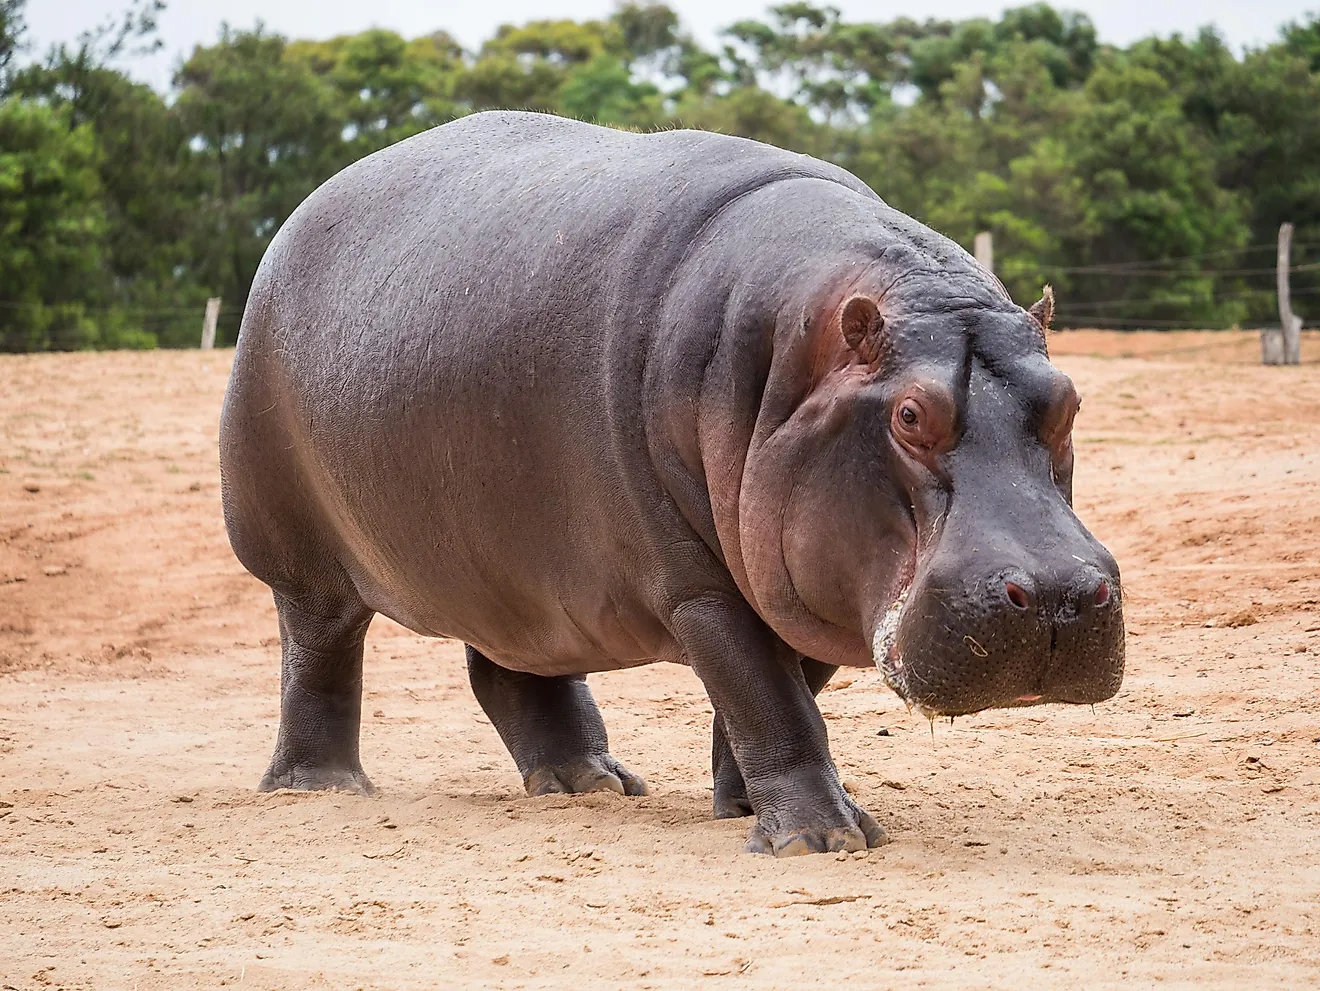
911 503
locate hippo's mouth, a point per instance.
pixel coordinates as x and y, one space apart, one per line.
889 662
885 653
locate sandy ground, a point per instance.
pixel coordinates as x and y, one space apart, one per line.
1171 836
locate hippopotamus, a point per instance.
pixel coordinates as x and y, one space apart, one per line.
586 399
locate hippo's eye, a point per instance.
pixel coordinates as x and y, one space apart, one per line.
922 420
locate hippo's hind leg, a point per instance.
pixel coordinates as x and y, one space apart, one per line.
731 799
552 728
320 697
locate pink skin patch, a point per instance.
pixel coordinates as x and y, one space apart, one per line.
1027 698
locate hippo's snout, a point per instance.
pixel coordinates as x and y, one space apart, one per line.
954 645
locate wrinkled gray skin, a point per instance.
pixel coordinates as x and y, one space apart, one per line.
586 399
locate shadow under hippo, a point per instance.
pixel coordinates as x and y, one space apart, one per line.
587 399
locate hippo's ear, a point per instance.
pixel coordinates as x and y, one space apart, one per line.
1042 311
863 327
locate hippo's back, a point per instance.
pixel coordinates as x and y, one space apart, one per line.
437 385
494 211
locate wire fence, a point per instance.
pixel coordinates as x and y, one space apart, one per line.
1129 295
180 325
1168 263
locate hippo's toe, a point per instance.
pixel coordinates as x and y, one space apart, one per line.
602 773
793 841
310 778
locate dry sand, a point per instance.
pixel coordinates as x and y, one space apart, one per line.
1170 837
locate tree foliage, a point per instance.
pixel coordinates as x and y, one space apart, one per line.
52 227
1146 183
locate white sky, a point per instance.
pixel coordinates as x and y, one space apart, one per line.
186 23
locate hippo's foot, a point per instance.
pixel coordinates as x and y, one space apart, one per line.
552 728
786 835
303 777
729 806
592 773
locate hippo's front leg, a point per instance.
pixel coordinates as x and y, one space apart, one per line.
730 790
756 684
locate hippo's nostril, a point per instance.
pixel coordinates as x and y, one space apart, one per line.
1017 595
1102 593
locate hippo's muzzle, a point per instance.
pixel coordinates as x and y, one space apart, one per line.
952 646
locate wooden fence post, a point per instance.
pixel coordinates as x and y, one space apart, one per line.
208 323
1283 346
985 250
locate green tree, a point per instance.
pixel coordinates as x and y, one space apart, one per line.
838 69
1132 179
52 228
1267 145
263 134
523 68
658 51
965 162
146 188
12 29
603 91
750 112
1152 196
386 88
1303 40
1066 42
